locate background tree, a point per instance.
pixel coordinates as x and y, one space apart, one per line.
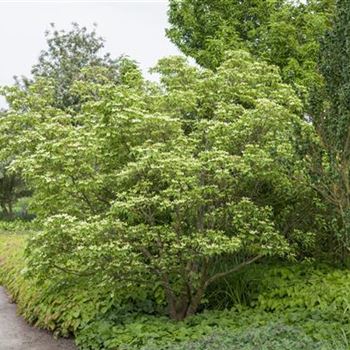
11 188
281 32
67 53
11 184
331 117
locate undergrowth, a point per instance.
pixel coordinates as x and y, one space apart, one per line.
289 307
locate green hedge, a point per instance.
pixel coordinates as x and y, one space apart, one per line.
297 307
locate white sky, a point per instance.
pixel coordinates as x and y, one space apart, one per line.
135 28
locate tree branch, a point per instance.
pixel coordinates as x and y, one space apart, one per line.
236 268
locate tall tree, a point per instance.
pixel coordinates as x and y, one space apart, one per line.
282 32
66 55
331 117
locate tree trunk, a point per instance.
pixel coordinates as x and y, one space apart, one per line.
4 209
182 307
186 304
10 209
7 209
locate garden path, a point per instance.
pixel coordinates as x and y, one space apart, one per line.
16 334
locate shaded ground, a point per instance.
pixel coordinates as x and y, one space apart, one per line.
16 334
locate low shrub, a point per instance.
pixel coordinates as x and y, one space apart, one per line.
67 304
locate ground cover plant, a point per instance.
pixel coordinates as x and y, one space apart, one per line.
284 311
207 209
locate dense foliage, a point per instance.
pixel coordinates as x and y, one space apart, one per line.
62 62
132 187
282 32
11 185
217 196
303 316
331 118
69 56
11 188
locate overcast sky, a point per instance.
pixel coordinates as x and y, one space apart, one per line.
135 28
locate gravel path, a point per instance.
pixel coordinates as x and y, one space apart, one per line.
16 334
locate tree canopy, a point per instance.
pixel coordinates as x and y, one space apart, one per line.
67 53
331 118
281 32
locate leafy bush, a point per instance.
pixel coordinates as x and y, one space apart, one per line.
137 190
62 305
